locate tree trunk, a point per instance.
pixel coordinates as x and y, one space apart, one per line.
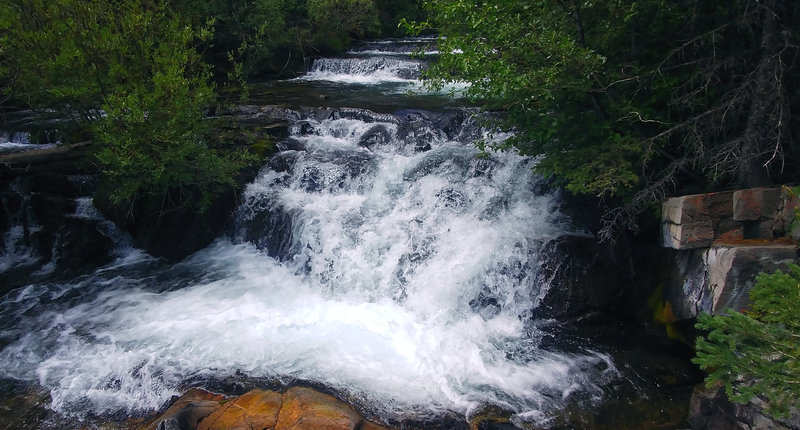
760 139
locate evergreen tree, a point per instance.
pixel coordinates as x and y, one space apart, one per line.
757 353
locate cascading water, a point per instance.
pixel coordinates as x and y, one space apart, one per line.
383 257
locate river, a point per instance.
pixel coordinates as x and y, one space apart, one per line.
379 255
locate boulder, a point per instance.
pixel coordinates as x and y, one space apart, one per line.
307 409
699 220
299 408
186 412
720 277
257 409
695 221
755 203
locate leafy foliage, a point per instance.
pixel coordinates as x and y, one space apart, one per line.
274 37
757 353
256 36
629 99
335 21
131 72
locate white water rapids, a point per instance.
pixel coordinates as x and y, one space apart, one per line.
401 275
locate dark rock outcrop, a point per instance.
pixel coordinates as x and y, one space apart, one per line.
584 276
710 409
41 234
713 279
173 233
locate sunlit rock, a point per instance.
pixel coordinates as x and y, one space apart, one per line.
187 411
257 409
307 409
714 279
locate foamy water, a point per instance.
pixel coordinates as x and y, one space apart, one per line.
410 286
387 260
367 70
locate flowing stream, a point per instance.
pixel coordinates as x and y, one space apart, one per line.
378 255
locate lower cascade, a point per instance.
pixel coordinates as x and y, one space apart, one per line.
402 275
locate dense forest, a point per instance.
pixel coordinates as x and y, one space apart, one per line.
625 100
633 100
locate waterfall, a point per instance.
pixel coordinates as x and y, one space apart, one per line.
381 255
365 70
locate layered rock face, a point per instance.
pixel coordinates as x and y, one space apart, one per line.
701 220
721 242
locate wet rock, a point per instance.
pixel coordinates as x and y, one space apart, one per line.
291 145
299 408
584 276
438 162
305 128
376 135
482 166
257 409
271 229
418 131
179 231
323 114
362 115
284 161
22 407
37 222
81 246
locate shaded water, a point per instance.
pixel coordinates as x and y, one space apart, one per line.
378 255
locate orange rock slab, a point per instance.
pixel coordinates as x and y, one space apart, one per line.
190 409
307 409
255 410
